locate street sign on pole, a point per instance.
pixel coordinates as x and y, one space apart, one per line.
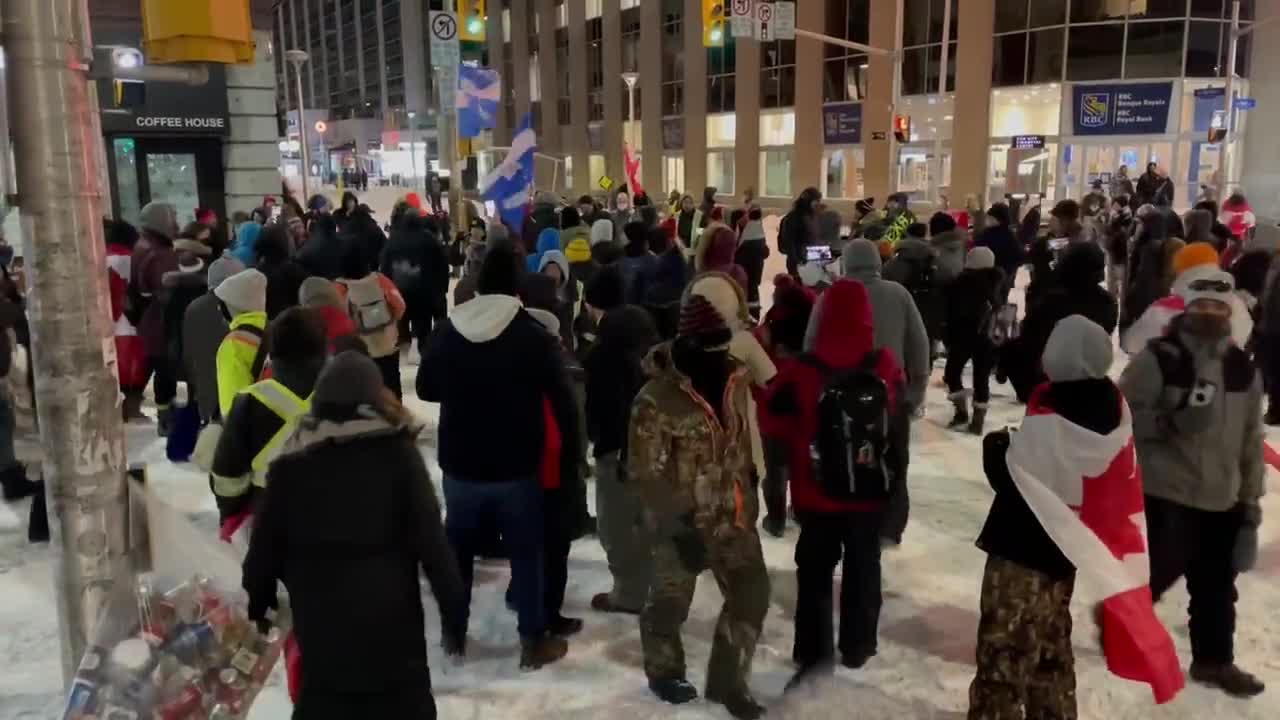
446 55
741 18
784 21
762 28
1245 103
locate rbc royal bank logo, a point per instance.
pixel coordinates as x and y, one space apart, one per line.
1095 109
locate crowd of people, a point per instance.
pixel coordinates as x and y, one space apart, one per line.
630 344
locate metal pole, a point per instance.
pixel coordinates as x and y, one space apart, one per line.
841 42
935 167
302 132
58 157
897 90
413 150
1224 166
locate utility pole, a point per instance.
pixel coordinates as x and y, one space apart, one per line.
1224 155
59 152
296 58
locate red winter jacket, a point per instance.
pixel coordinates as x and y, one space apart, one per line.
789 409
336 324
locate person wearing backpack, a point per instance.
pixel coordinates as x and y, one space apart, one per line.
914 266
241 354
972 302
838 403
1197 422
375 306
154 256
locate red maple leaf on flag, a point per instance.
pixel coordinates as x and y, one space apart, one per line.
633 170
1111 500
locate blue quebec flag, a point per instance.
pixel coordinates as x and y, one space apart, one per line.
508 185
479 92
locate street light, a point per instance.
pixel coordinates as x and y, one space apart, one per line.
296 58
631 78
413 150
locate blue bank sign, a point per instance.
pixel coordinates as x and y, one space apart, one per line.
1128 109
842 123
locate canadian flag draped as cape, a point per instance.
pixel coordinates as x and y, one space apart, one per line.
1086 490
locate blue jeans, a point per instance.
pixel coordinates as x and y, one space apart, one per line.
474 511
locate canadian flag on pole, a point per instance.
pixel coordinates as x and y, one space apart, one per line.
633 170
1086 490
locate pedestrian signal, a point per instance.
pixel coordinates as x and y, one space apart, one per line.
902 128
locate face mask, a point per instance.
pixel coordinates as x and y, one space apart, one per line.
1208 325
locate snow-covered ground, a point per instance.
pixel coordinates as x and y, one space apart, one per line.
927 630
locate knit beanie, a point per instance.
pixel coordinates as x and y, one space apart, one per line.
223 268
601 232
700 321
350 379
980 258
1078 349
1197 253
941 223
244 292
160 218
319 292
1206 283
860 255
606 290
570 218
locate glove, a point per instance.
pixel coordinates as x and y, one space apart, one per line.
1245 554
454 645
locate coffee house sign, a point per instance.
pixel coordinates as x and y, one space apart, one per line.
218 124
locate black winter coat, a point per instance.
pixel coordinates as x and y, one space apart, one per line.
348 518
1001 241
971 298
1012 531
419 266
325 250
1020 359
615 375
752 255
284 280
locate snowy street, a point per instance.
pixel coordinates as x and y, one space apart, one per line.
927 630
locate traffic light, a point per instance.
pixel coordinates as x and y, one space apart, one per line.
216 31
902 128
713 31
1218 127
472 20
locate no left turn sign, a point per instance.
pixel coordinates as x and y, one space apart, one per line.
444 27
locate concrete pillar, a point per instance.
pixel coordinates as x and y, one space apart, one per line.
695 101
359 33
615 92
806 158
251 156
497 56
383 103
579 147
1260 159
548 78
746 156
651 99
417 65
971 129
877 110
520 56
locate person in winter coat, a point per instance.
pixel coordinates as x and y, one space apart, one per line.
558 296
322 296
363 231
365 652
204 327
468 368
1024 659
1154 187
844 342
637 265
689 457
622 214
614 375
1120 230
495 236
1197 421
799 228
415 261
949 245
153 256
605 249
687 220
182 287
325 249
347 208
246 247
1238 216
131 357
753 251
575 243
264 413
663 293
284 275
998 237
898 328
716 253
242 354
376 306
971 301
914 265
13 474
829 228
548 240
1150 271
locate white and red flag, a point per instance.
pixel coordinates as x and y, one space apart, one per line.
632 163
1086 490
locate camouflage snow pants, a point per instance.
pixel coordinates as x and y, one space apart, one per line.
737 563
1025 664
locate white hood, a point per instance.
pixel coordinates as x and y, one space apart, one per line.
485 317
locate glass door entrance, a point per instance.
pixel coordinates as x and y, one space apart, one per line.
1091 163
184 172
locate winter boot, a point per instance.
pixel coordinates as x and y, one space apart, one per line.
676 691
38 521
604 602
740 705
538 651
961 401
1228 678
979 419
16 485
855 660
562 626
808 673
164 421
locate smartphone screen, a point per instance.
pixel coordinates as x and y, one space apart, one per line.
818 253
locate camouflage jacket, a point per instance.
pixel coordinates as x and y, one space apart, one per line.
683 460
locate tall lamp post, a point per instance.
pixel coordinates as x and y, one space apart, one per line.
296 58
631 78
413 150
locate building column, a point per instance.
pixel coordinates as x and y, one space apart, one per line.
251 155
418 80
520 57
497 56
651 100
806 157
548 77
695 101
971 129
1258 157
877 110
579 144
614 92
383 103
746 139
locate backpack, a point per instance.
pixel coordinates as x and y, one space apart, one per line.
1002 324
368 307
850 449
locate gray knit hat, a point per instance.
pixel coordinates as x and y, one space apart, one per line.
350 379
318 292
160 218
1078 349
860 255
246 291
223 268
980 258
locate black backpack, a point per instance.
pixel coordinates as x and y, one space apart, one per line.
850 448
